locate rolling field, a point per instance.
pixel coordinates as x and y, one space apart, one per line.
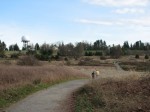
114 90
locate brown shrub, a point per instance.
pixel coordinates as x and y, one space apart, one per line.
103 58
28 60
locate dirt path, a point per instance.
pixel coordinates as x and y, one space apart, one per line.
48 100
118 66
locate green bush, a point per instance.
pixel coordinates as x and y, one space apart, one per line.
146 57
38 56
56 57
31 52
14 55
97 101
137 56
87 100
86 53
98 53
89 53
42 57
66 59
2 54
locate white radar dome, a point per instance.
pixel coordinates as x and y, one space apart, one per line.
25 39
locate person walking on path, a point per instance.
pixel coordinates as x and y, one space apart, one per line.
93 75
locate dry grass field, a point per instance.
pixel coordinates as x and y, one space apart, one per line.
18 81
130 63
14 76
115 91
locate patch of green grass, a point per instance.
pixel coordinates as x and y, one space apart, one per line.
83 104
10 96
87 100
9 53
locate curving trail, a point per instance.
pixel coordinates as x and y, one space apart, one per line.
48 100
54 98
118 66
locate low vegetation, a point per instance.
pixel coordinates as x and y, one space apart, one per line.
28 60
146 57
137 56
17 82
130 94
94 62
136 66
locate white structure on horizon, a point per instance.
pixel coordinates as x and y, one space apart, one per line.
25 41
31 47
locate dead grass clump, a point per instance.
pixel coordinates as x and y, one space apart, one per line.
28 60
89 62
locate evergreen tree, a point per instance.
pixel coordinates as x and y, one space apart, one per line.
2 49
79 50
131 47
116 51
37 47
11 47
126 45
14 48
100 45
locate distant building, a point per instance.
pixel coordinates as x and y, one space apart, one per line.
25 41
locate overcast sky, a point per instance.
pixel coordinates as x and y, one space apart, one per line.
51 21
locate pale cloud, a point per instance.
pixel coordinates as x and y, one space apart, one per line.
130 11
141 22
117 35
118 3
86 21
1 35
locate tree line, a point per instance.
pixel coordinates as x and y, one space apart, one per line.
97 48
